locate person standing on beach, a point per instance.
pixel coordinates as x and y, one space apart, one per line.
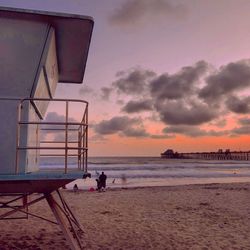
102 181
98 184
75 188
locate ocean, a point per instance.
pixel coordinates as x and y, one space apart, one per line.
154 171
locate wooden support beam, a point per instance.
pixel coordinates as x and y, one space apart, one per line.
60 217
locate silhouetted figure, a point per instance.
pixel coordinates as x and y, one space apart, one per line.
102 181
75 188
124 179
97 174
98 185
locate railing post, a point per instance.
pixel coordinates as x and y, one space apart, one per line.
18 136
79 148
66 136
86 140
83 145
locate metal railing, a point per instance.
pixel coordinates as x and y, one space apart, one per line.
68 128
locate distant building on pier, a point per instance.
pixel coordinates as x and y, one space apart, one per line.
170 154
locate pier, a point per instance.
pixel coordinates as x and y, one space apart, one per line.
219 155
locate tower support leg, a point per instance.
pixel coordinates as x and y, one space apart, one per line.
70 227
64 218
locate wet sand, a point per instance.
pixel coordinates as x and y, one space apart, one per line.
209 216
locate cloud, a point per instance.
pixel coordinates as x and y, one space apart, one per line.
219 123
59 135
174 97
237 105
97 138
139 11
194 95
132 82
197 94
183 113
228 79
244 121
125 126
243 130
162 136
178 85
86 90
105 93
135 132
137 106
192 131
115 125
120 102
55 117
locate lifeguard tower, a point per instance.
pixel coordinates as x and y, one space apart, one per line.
38 50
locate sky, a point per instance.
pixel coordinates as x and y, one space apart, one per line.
162 74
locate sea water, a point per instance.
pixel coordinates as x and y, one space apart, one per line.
155 171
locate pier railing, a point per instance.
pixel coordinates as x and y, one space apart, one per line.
227 155
56 136
232 155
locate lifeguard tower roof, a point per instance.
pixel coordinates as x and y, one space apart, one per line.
73 34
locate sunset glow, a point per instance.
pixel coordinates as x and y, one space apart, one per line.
163 74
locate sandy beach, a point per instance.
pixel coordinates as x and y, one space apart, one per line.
210 216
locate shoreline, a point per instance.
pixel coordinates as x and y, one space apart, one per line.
108 189
87 184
